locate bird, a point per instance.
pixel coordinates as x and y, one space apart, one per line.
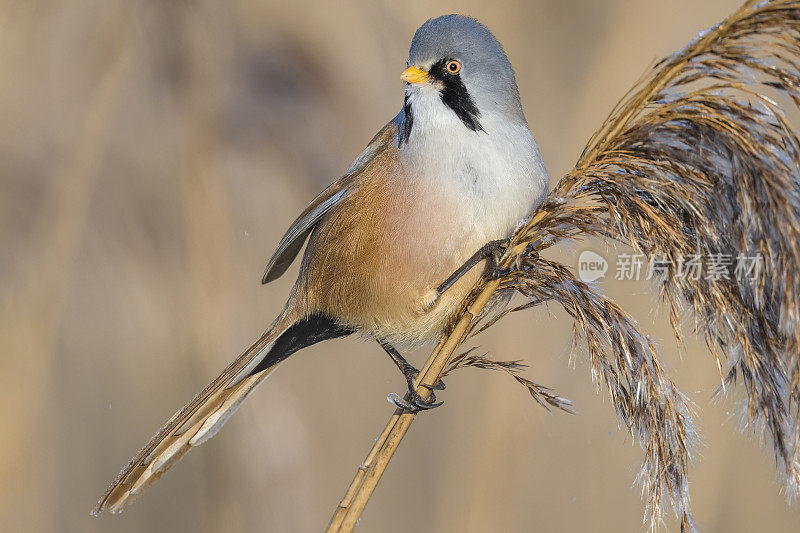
391 245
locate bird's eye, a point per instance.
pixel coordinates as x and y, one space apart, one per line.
453 66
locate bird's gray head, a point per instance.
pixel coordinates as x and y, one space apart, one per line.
461 59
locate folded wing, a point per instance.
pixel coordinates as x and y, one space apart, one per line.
301 228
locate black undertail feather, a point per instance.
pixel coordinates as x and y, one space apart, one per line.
302 334
455 95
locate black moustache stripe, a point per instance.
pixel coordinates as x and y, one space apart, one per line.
408 123
455 95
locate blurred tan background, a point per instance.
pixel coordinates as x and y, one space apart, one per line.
151 156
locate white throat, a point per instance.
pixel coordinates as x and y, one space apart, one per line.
495 177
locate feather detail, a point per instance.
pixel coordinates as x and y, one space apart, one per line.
195 423
298 232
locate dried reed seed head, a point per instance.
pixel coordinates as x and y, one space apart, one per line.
697 159
544 396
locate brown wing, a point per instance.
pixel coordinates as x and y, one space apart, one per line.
298 232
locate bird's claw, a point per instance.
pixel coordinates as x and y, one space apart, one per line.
498 272
414 403
439 385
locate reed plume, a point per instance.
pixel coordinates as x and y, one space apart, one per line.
698 160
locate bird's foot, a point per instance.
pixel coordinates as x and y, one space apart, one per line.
497 272
413 402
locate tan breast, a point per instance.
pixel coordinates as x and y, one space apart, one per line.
375 260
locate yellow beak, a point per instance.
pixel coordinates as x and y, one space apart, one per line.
414 75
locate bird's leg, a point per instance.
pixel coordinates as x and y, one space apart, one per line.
415 402
492 249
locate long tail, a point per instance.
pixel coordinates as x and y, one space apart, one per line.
201 418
